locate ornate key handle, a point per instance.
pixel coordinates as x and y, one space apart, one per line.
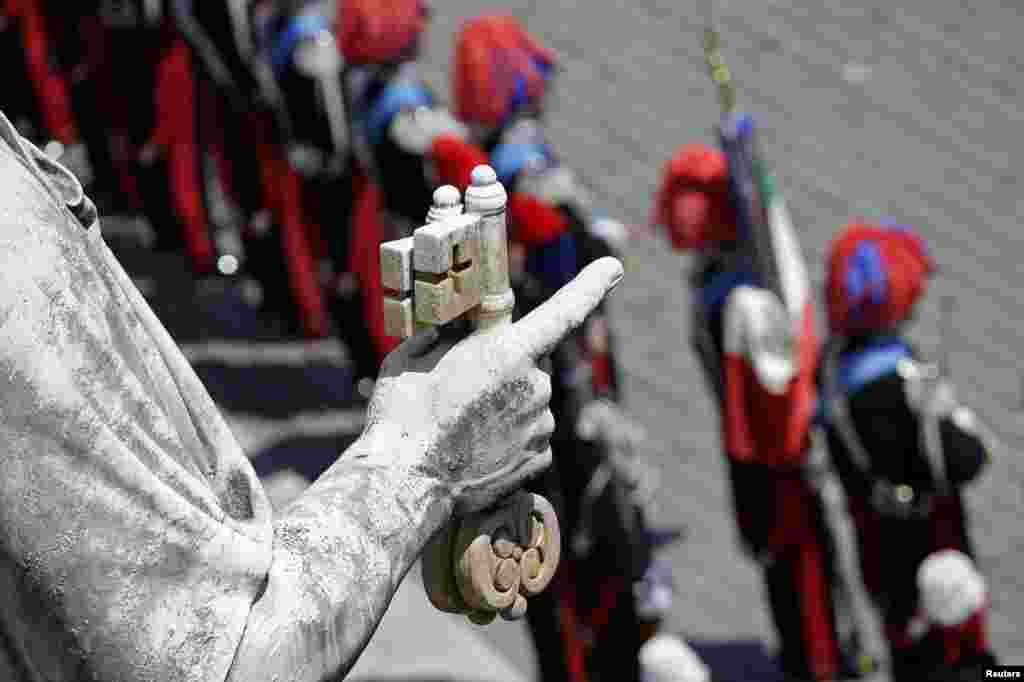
490 562
456 266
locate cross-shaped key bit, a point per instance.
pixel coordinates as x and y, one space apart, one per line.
445 256
432 277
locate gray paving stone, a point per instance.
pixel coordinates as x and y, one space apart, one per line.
931 136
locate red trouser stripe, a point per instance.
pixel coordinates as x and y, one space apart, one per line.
303 273
176 133
600 372
568 620
815 617
608 598
281 187
367 233
51 90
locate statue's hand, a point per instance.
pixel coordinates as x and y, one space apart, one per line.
475 411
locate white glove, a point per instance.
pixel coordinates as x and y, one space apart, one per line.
603 419
927 393
759 329
555 185
612 232
319 57
414 130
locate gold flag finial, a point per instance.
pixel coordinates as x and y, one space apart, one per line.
718 71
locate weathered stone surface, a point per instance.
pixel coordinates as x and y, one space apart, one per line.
399 317
442 302
436 243
396 265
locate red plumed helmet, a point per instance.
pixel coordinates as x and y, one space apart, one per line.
693 199
499 67
876 274
454 160
379 31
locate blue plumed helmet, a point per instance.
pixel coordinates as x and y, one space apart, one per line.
500 70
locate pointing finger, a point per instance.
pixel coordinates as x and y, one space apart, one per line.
541 330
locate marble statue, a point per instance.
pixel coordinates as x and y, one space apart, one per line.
136 542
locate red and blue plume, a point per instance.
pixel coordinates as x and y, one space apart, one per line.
500 70
376 32
876 274
693 201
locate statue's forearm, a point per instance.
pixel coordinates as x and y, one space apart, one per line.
340 552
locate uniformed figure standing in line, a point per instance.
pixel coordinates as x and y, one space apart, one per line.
36 93
146 90
587 626
760 364
904 447
404 145
244 51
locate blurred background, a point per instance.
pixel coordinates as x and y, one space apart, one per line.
908 110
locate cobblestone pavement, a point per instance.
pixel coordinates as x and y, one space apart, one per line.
903 109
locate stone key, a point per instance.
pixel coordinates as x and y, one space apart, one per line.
432 277
456 266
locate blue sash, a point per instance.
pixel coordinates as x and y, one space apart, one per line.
863 366
879 357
